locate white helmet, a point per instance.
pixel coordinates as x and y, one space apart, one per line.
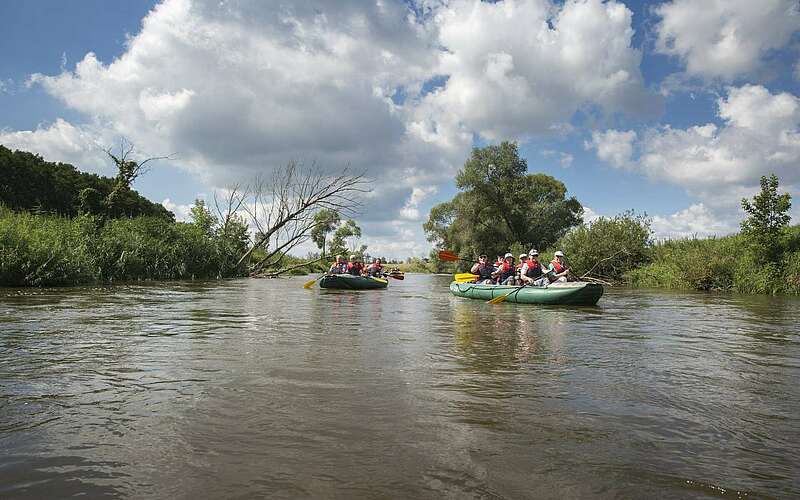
509 254
559 253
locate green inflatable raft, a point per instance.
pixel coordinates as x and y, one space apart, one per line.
575 293
350 282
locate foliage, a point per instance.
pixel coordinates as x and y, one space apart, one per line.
27 182
339 246
500 204
49 250
718 264
202 217
768 217
325 221
608 247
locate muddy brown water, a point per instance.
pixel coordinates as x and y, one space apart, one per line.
249 388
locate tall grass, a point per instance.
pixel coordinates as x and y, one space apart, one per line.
48 250
729 264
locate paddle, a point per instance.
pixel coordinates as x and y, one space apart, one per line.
465 277
396 276
309 284
450 256
501 298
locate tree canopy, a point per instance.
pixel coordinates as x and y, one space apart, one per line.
500 204
28 182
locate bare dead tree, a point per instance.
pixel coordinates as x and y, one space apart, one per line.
282 209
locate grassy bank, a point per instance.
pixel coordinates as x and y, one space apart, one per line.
49 250
727 263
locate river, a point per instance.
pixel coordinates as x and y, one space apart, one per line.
248 388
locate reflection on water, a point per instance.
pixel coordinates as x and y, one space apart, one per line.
261 388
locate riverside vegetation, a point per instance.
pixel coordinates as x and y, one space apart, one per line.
483 218
59 226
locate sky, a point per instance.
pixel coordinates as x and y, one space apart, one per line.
670 108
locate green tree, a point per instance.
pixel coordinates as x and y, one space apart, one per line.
500 204
768 217
202 217
339 241
325 221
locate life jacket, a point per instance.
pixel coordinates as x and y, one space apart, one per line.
337 267
534 270
485 272
505 271
355 268
375 269
556 266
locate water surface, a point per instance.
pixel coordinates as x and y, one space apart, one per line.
252 388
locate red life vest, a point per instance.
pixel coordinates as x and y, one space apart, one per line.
556 266
505 270
355 268
534 269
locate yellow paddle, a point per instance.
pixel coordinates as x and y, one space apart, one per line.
465 277
309 284
501 298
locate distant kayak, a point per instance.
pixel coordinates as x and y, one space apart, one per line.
574 293
350 282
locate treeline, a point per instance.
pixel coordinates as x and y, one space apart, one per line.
28 182
501 208
59 227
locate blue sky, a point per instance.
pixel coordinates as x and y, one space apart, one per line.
672 108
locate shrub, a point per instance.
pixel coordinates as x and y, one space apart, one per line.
608 247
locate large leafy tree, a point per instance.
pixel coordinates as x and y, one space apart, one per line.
768 216
500 204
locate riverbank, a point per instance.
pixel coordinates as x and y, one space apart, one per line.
49 250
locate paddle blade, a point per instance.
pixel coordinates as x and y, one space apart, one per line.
448 255
397 276
465 277
500 298
309 284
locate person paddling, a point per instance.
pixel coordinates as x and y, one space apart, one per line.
375 269
532 272
338 267
505 272
483 269
558 268
355 267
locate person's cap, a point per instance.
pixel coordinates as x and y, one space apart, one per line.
533 252
559 253
508 255
523 256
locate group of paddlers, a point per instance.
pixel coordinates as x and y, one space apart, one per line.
355 267
528 271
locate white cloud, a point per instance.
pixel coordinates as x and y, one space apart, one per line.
695 221
182 212
564 159
62 142
725 38
523 67
719 165
589 215
239 88
6 86
613 146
